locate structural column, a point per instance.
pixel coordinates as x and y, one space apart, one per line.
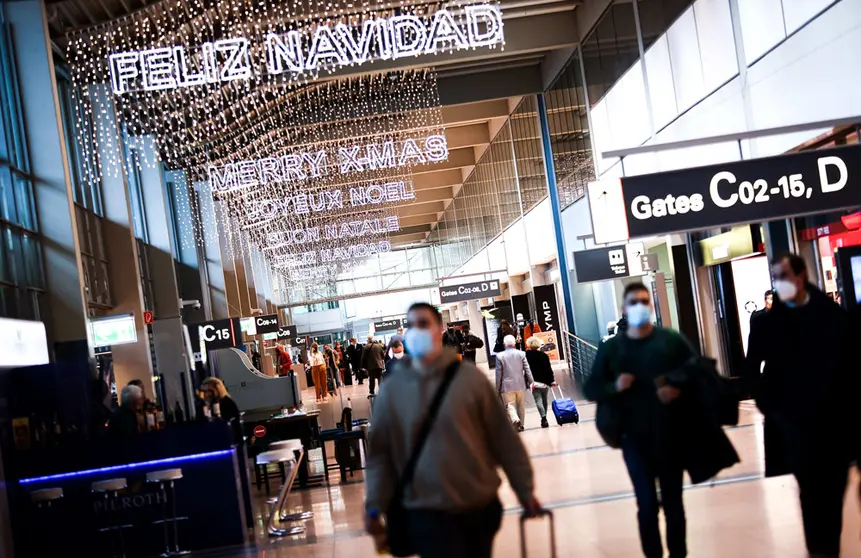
65 305
132 361
212 253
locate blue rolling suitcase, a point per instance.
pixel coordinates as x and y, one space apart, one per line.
564 409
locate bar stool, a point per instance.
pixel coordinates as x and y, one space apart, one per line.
296 447
44 499
281 456
111 488
163 478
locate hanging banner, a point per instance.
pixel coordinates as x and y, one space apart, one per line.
469 291
610 262
549 344
267 324
715 196
548 310
287 332
389 325
219 334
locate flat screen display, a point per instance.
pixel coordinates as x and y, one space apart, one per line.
114 330
855 263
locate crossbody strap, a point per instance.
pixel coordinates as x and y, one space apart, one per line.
424 431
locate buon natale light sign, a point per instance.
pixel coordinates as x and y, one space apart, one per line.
298 53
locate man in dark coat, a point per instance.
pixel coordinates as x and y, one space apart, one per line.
769 302
805 392
374 361
354 357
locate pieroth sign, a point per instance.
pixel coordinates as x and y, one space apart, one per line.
298 53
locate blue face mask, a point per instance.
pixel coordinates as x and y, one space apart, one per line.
419 342
639 315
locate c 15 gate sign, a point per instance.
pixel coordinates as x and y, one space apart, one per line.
720 195
469 291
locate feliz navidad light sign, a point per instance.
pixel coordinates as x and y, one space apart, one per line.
297 53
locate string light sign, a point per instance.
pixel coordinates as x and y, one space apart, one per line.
296 52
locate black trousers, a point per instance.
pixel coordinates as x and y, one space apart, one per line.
821 489
645 475
470 534
374 376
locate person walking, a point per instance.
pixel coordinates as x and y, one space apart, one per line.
374 361
769 302
806 392
398 337
542 373
513 378
503 330
471 344
354 357
644 373
452 510
399 358
318 372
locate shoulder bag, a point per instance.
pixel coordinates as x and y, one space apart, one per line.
397 526
608 415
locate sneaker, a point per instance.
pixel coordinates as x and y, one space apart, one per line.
544 423
518 426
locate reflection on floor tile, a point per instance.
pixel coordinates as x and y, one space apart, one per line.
741 514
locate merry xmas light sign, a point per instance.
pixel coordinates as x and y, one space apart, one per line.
298 53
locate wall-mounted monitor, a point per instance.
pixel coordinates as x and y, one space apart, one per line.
849 275
114 330
22 343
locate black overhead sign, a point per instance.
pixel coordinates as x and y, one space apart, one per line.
743 192
601 264
220 334
389 325
469 291
266 324
287 332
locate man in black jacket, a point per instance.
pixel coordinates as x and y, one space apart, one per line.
805 391
471 344
374 361
354 358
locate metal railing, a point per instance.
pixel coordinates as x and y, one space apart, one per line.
580 357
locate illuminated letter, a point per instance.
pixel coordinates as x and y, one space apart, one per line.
408 35
316 161
300 204
392 223
124 68
325 46
436 148
411 151
184 77
714 189
236 63
293 166
157 69
384 160
444 30
246 172
492 17
221 180
335 199
280 54
270 171
360 51
349 162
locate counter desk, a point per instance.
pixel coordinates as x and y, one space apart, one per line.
208 497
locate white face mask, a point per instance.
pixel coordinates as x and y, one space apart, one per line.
639 315
785 290
398 356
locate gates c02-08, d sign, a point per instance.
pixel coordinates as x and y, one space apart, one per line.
720 195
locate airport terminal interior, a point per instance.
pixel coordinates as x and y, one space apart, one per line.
218 215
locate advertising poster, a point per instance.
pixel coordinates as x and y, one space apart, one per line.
550 344
548 311
521 305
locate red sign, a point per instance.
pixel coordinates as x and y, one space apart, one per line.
148 317
259 431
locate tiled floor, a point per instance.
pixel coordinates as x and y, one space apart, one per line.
585 483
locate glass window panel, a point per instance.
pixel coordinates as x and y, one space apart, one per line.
685 58
656 16
761 26
662 93
798 12
714 30
610 49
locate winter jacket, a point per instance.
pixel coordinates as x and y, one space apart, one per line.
539 364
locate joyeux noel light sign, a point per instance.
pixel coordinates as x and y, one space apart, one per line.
324 46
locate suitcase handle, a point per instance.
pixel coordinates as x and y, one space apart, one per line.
553 393
543 512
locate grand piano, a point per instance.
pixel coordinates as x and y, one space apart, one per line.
252 390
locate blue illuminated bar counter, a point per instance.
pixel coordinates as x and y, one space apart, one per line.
208 498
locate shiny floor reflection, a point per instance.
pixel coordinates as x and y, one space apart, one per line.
740 514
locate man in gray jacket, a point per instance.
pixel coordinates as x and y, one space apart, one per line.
453 510
513 378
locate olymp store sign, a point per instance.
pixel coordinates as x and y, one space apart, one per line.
719 195
469 291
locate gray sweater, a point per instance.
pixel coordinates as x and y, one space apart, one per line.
471 437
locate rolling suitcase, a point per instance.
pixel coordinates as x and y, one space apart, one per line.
543 513
564 409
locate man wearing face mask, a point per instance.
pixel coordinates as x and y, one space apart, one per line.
806 391
399 358
452 509
637 370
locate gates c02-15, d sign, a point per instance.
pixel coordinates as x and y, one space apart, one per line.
720 195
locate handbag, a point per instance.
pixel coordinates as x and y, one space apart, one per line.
397 527
608 415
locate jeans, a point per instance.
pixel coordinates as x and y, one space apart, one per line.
470 534
644 475
540 396
374 376
517 399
